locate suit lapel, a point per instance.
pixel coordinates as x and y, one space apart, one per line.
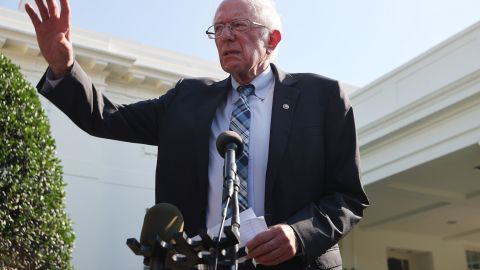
284 95
283 108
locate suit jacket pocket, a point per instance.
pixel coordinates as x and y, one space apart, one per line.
331 259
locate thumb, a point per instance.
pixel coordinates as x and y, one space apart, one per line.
67 35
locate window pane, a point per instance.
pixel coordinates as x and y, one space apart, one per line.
397 264
473 260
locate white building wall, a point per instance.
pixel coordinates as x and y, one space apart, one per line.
368 249
421 110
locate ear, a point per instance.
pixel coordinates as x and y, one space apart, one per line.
273 40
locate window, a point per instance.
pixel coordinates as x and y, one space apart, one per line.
397 264
473 260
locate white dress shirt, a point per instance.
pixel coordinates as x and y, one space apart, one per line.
261 114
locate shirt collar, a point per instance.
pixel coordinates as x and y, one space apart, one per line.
261 83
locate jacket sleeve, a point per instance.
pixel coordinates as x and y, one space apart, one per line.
321 224
97 115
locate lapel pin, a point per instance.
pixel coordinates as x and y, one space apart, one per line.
286 106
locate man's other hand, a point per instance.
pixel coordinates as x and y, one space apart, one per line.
274 246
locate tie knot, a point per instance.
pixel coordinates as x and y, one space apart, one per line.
246 90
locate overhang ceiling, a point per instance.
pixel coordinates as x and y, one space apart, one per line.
439 198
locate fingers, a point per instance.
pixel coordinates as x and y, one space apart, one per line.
260 244
52 8
42 9
53 11
274 246
65 16
273 258
264 248
65 13
272 253
33 16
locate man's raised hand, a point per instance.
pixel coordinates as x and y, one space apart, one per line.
53 34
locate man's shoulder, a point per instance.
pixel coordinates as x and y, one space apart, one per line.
314 83
199 82
195 88
306 76
303 77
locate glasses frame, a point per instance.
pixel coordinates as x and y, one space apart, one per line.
213 35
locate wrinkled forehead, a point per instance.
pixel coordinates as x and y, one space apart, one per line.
229 10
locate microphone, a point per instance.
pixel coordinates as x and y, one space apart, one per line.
162 220
161 223
165 246
229 140
230 147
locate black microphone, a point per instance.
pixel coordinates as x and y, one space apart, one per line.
161 223
229 140
162 220
230 147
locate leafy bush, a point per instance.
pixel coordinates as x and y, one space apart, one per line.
35 232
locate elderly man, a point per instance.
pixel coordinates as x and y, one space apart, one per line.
300 164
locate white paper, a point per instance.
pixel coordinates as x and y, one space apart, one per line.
250 226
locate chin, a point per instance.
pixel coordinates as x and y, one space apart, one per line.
229 68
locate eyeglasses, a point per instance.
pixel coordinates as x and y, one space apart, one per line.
236 26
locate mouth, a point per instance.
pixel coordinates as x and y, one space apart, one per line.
230 52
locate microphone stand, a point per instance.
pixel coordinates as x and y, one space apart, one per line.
186 253
155 255
235 223
233 184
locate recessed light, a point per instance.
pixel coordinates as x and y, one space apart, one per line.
451 222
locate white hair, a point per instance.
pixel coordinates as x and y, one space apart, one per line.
265 12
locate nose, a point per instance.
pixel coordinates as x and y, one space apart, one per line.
227 34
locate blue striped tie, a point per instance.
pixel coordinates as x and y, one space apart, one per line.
240 123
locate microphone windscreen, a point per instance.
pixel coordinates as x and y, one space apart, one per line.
226 138
162 219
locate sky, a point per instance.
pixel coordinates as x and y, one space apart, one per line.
353 41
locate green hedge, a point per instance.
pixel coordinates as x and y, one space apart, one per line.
35 232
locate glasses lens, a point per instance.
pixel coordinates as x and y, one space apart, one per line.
240 25
218 28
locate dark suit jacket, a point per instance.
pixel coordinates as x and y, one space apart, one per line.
312 181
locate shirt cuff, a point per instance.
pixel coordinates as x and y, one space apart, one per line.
50 82
299 244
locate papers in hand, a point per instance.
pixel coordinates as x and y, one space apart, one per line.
250 225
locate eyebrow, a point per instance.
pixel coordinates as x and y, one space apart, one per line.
233 20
